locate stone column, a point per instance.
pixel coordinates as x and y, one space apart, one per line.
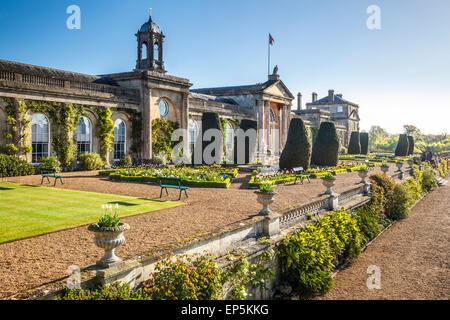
267 124
185 118
261 125
146 122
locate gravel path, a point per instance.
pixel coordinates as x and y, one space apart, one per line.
27 263
413 257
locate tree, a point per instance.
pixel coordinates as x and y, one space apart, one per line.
354 147
410 145
402 146
376 136
297 151
326 146
364 140
413 131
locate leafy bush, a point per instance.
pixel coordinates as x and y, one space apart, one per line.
326 146
354 146
309 255
125 161
401 202
187 277
13 166
50 163
297 151
429 180
367 218
364 141
161 158
344 150
90 161
402 146
114 291
414 189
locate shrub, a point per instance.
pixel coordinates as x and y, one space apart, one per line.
50 163
410 145
125 161
367 218
187 277
90 161
429 180
402 146
364 141
354 146
401 202
160 158
210 120
13 166
344 150
382 189
297 151
326 146
114 291
414 189
249 148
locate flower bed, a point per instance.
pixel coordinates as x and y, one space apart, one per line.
198 176
286 176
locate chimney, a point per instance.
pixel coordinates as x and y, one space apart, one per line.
330 95
299 101
314 97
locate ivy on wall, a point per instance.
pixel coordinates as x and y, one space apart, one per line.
105 130
162 130
16 132
136 132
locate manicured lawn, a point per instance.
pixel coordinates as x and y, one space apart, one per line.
27 211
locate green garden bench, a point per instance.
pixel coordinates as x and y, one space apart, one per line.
300 174
173 183
50 173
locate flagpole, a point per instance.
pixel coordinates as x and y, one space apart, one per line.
268 59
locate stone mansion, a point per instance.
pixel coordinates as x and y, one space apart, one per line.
149 92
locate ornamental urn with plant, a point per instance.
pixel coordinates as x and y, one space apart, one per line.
399 165
108 235
265 196
363 172
385 168
328 181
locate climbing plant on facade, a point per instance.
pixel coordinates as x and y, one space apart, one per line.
162 130
16 132
105 130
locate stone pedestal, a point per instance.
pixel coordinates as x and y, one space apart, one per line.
366 188
271 224
333 201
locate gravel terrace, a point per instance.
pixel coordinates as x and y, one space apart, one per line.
413 257
27 263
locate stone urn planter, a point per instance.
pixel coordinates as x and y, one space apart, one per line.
329 183
399 166
266 199
385 169
108 238
363 174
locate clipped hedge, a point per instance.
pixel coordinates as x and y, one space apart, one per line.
402 146
354 147
13 166
249 148
210 120
297 151
410 145
325 151
364 141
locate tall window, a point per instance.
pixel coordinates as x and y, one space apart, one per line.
193 133
144 51
39 137
156 51
84 135
229 133
163 108
119 139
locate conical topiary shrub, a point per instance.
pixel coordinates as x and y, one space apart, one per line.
354 147
210 120
326 146
402 146
297 151
364 141
249 144
410 145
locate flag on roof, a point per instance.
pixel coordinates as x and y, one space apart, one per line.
271 40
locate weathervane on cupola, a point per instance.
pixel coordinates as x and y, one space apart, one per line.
150 47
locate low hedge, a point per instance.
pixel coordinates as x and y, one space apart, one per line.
13 166
184 182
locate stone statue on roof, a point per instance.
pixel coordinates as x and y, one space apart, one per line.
275 70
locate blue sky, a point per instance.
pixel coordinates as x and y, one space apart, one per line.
398 75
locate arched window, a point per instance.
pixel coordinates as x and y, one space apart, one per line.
163 108
193 133
119 139
229 134
144 51
156 51
39 138
84 135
